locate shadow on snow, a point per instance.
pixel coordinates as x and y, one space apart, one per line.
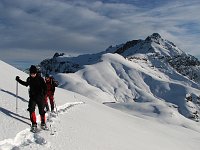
8 92
14 115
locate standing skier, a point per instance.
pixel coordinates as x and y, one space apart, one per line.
51 84
37 92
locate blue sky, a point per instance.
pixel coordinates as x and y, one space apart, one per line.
34 30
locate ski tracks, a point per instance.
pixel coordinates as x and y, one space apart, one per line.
26 139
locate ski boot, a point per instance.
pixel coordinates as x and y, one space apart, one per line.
44 126
34 128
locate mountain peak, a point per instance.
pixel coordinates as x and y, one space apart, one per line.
152 44
155 37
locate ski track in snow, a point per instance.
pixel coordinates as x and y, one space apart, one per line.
26 138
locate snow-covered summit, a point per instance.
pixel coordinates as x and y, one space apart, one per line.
152 44
61 63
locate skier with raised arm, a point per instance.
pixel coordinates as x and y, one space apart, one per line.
37 92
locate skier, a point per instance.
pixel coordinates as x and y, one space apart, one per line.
51 84
37 92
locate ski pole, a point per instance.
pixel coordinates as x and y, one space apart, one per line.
16 96
56 107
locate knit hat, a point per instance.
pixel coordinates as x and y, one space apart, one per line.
33 69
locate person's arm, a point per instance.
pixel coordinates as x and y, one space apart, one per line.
25 83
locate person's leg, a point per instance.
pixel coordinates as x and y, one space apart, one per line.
46 103
41 106
51 98
31 109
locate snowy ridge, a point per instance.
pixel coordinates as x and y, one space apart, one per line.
135 82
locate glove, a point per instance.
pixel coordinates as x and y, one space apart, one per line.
17 78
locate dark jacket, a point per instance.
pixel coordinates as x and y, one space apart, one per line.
37 87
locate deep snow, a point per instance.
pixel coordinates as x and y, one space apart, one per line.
85 124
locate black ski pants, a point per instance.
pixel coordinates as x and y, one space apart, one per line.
40 102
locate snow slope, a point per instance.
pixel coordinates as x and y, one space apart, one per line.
135 87
85 124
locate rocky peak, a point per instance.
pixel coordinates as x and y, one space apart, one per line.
155 37
152 44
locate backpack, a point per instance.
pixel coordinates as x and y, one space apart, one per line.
54 82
